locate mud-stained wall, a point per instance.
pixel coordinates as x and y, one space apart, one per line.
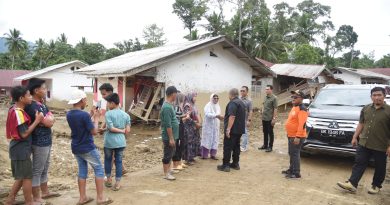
203 73
63 104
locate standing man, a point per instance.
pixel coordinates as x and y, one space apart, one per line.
374 141
248 117
270 113
41 140
169 130
296 133
234 127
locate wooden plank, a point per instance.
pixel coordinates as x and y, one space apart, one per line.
156 93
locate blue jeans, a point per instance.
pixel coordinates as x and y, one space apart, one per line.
92 158
245 139
108 153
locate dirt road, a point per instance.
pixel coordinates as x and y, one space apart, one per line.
258 182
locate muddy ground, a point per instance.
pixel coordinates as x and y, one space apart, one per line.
258 182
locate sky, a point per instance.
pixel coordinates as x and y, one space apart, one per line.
108 22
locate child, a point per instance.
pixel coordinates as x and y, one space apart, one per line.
83 146
18 130
118 124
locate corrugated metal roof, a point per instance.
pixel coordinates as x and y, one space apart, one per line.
298 70
7 77
47 69
364 73
383 71
266 63
138 61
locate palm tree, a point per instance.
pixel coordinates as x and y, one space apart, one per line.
63 39
40 51
16 45
265 42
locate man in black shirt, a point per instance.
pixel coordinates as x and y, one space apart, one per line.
234 127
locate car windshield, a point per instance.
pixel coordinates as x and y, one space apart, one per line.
350 97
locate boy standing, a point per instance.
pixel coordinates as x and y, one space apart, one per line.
118 124
83 146
41 140
19 129
169 130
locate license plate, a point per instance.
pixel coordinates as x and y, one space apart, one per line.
333 133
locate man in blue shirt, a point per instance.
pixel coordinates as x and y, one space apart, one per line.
83 146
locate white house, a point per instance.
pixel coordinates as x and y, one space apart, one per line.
60 79
353 76
207 66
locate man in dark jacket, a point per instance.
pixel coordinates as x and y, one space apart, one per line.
234 127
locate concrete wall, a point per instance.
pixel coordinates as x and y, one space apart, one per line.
204 74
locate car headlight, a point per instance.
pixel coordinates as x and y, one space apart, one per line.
309 122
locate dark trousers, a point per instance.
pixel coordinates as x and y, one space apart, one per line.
363 156
268 131
294 151
231 145
179 145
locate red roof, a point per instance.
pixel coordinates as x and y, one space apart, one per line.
7 77
383 71
266 63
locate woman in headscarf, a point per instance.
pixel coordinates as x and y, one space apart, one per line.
191 129
210 130
179 105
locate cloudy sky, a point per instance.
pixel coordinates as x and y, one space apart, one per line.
112 21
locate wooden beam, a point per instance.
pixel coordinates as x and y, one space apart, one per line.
156 93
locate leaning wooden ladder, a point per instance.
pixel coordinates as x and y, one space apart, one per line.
142 109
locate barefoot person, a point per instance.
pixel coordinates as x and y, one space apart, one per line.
234 127
270 110
169 130
372 139
41 140
118 124
83 147
18 130
210 130
249 112
296 134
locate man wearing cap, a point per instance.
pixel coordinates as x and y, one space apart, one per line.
169 131
296 134
84 148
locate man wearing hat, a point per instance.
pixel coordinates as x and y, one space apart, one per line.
296 133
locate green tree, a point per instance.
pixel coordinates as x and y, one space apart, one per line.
90 53
154 36
189 11
265 42
282 20
16 44
111 53
346 38
63 39
384 62
366 61
306 54
216 25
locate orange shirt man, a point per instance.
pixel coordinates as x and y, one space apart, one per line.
296 133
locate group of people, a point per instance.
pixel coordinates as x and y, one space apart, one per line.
185 135
28 128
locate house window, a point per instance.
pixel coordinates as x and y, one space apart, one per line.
256 89
48 94
72 68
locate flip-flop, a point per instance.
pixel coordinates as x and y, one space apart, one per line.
105 202
179 168
51 195
116 188
89 199
108 184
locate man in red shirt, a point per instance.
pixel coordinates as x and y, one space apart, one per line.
296 133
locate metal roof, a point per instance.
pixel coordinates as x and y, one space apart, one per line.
7 77
135 62
383 71
298 70
364 73
47 69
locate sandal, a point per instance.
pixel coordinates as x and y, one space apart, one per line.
51 195
116 188
105 202
179 168
89 199
108 184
